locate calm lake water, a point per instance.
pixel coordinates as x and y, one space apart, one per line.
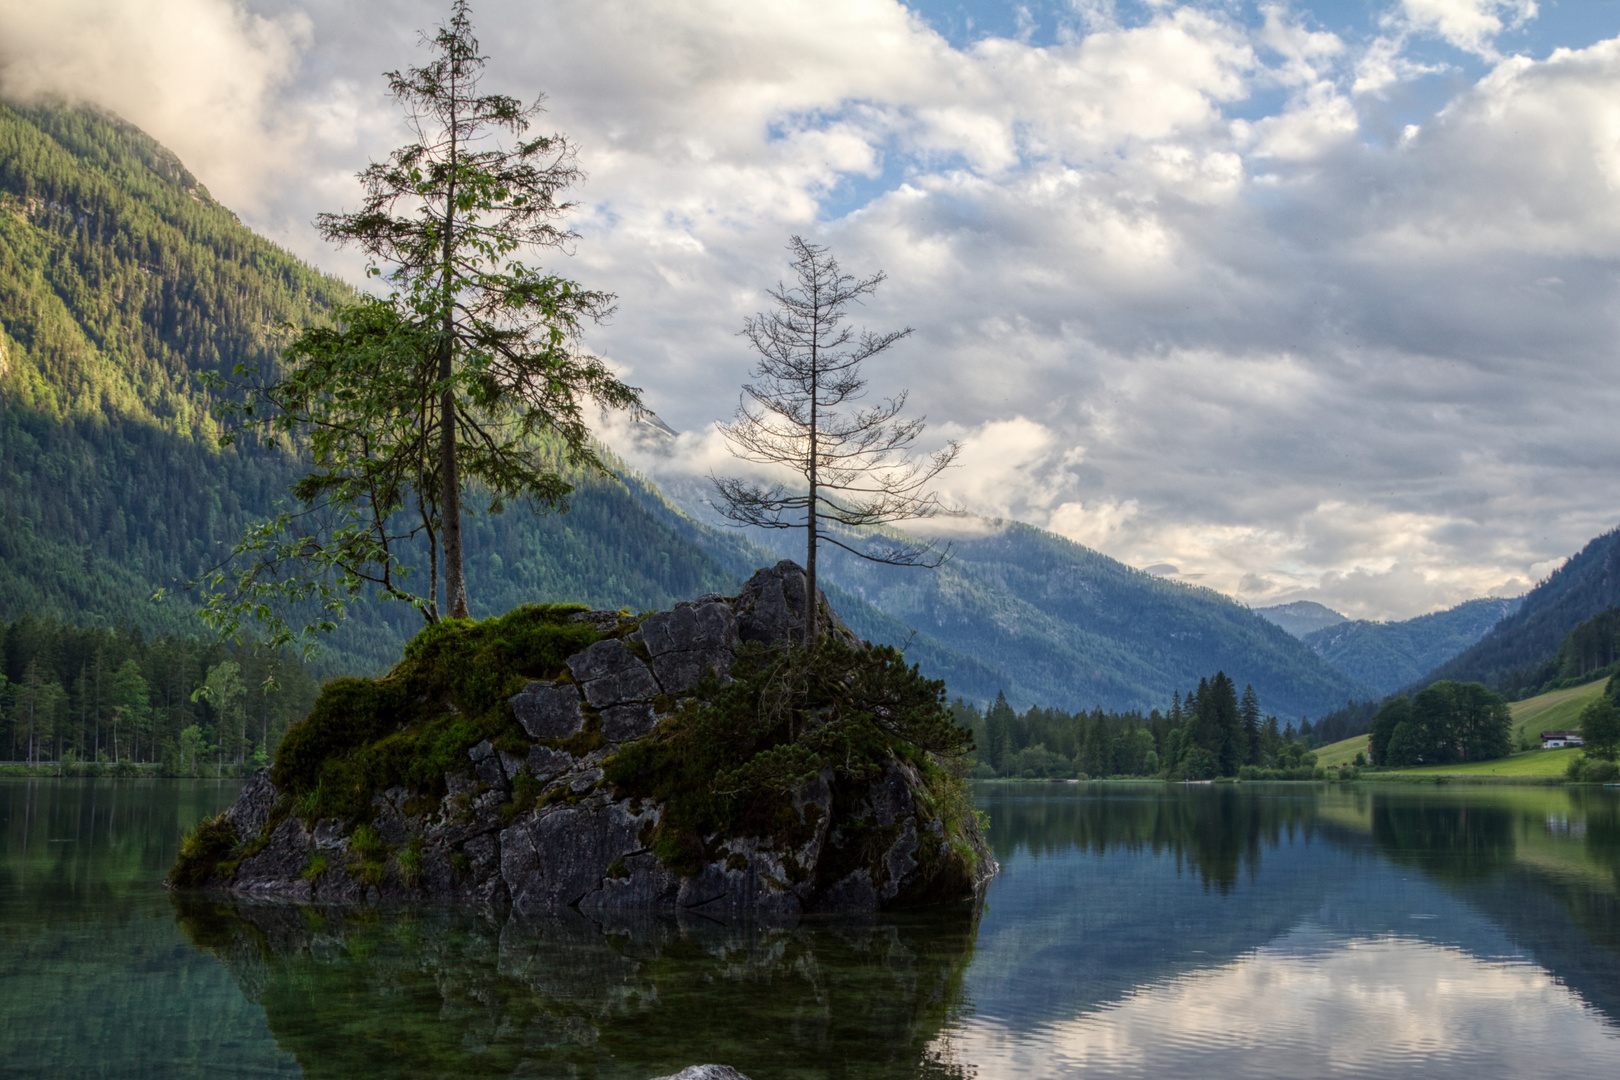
1135 931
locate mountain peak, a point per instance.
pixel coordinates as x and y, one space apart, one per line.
1301 617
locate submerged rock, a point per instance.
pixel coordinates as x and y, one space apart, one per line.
535 821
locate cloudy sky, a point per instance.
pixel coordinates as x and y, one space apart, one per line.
1297 300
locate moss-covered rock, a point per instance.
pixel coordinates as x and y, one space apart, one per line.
695 759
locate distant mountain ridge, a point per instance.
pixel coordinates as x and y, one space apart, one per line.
1050 622
1388 656
121 281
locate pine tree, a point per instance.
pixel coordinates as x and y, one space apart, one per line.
998 721
1249 710
457 380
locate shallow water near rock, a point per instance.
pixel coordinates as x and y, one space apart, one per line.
1136 930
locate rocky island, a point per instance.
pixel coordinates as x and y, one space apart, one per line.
695 759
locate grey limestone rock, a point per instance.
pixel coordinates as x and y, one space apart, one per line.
547 764
693 640
251 810
610 674
554 860
770 607
487 764
705 1072
603 622
548 710
584 844
621 723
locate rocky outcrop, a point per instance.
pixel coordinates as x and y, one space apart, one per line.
543 830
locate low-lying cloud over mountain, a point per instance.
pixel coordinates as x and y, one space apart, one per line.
1308 301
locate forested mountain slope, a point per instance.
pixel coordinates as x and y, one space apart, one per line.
1520 653
1388 656
121 281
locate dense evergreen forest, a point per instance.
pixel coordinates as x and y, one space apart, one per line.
112 700
1211 732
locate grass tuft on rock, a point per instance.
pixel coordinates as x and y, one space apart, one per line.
202 851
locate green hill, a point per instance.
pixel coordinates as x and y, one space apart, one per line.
1556 710
121 281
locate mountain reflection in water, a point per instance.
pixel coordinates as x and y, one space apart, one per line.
1354 931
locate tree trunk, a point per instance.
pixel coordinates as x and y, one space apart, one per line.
455 582
810 612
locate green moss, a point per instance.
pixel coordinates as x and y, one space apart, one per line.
202 851
618 870
416 724
460 863
318 866
372 853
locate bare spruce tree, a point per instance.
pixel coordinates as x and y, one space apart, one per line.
801 413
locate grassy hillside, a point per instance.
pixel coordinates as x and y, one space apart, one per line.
1342 752
1558 710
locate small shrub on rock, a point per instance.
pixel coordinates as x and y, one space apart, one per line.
728 762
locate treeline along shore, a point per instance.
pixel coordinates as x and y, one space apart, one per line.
115 701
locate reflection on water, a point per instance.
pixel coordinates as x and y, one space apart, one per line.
1314 1004
1136 930
446 991
1365 931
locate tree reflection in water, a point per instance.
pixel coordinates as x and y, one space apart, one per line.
1221 830
381 993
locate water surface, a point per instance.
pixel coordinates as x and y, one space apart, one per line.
1136 930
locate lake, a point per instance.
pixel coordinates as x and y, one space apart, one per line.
1136 930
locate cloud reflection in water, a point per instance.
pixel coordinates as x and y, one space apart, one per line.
1315 1003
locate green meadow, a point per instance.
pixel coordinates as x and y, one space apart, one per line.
1556 710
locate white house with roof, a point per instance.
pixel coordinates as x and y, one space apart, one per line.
1554 740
